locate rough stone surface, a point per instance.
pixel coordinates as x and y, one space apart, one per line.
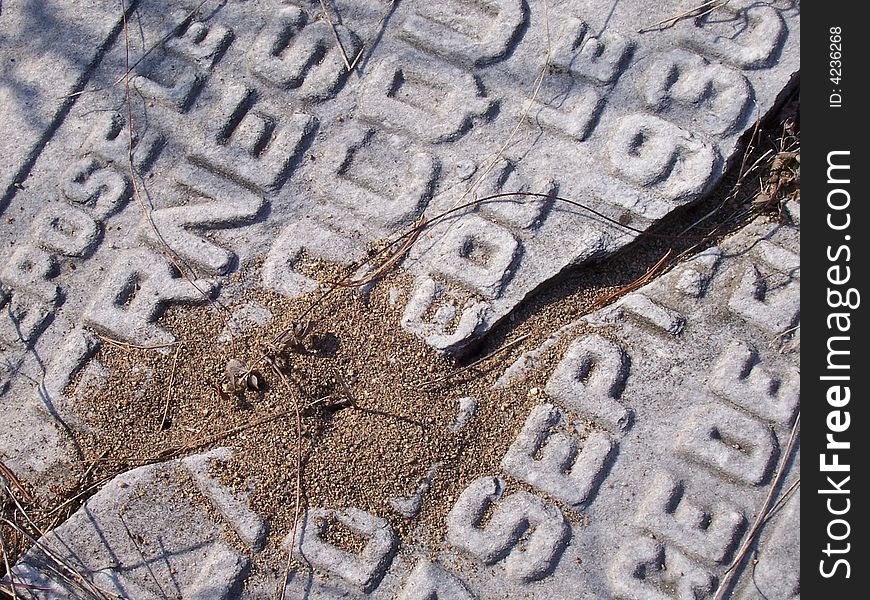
666 497
711 406
147 535
251 141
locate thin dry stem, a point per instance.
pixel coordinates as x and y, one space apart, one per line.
782 500
335 35
141 554
731 571
709 6
749 148
298 491
477 362
74 577
196 445
388 264
539 81
24 513
5 552
129 69
640 281
127 346
7 473
379 31
169 390
82 493
411 236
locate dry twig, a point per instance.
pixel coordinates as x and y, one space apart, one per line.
84 492
7 474
639 282
782 500
63 570
167 251
126 346
347 63
154 46
730 572
539 82
477 362
9 574
169 389
379 30
698 11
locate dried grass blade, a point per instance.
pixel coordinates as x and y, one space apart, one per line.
7 473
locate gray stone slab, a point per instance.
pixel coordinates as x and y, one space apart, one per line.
48 50
160 531
666 441
690 386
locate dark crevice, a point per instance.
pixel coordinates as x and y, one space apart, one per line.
729 206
